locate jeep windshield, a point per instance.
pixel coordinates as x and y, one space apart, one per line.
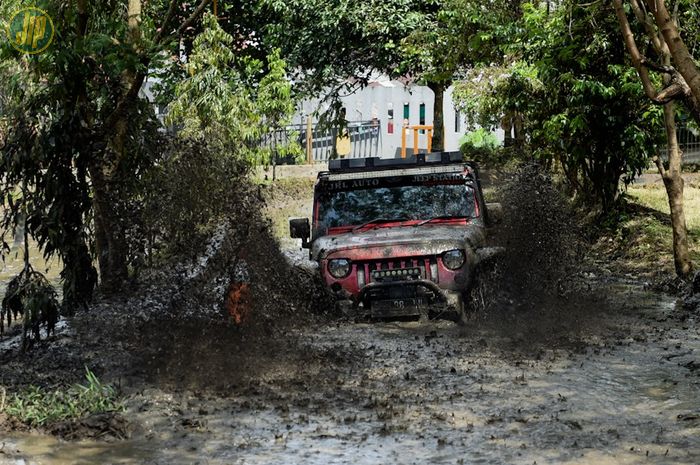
392 200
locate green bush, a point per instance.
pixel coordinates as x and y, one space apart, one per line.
481 146
481 138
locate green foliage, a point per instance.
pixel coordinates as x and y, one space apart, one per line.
86 148
328 42
213 103
455 35
481 146
335 47
32 297
488 93
581 106
276 105
36 406
58 108
219 104
481 138
274 99
292 153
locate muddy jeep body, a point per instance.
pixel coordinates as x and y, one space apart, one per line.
415 259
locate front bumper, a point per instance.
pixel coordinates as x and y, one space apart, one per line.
417 297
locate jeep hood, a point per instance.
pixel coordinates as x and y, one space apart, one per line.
382 242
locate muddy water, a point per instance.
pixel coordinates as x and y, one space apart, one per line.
13 264
429 393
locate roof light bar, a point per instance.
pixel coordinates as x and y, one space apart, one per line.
447 169
348 164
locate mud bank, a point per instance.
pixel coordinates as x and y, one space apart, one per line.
621 390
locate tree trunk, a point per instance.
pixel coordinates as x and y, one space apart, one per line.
518 130
668 44
438 89
673 181
110 242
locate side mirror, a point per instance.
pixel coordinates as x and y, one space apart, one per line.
299 229
494 213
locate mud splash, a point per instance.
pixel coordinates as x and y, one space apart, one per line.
539 290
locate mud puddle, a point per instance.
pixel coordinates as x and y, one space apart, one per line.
625 391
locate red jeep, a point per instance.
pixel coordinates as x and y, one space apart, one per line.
398 237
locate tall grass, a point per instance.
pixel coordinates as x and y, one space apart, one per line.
655 197
646 244
36 406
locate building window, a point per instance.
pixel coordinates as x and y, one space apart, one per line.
406 118
390 119
458 122
421 116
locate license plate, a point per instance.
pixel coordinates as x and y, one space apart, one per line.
397 305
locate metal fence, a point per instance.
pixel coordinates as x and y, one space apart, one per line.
279 138
359 139
689 141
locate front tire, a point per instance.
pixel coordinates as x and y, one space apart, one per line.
482 294
477 296
459 313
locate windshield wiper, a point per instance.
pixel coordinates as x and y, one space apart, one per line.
377 220
441 217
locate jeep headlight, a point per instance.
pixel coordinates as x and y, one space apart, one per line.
453 259
339 267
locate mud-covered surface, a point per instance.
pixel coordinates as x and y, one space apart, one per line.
568 364
621 389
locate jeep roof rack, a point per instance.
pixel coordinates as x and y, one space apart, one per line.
368 164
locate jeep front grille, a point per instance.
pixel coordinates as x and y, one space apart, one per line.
427 265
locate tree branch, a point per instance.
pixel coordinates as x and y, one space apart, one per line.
188 22
134 20
637 59
677 89
82 17
660 68
166 22
660 165
648 26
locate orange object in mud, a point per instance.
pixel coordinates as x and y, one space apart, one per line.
238 302
238 296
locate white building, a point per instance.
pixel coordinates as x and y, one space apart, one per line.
393 104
